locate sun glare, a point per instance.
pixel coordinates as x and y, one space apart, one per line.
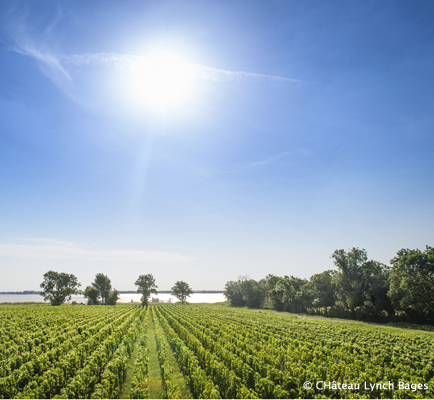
161 82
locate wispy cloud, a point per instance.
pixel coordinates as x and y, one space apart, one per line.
49 62
39 46
269 160
199 71
61 250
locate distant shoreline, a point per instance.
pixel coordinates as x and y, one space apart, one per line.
121 291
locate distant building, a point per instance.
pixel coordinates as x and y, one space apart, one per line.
155 300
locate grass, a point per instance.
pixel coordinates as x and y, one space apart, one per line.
156 386
400 327
178 376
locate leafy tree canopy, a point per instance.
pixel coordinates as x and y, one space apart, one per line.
412 283
181 290
146 286
321 290
103 286
113 298
92 295
58 287
101 292
233 292
361 283
287 292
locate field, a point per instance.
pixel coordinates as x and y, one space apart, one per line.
199 351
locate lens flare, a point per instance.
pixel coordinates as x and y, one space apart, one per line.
161 82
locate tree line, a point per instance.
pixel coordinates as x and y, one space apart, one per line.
359 289
59 287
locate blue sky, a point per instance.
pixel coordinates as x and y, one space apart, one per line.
307 127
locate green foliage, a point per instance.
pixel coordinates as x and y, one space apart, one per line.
82 352
59 287
253 293
246 292
234 294
349 279
163 349
361 283
101 292
268 284
320 292
260 355
412 284
146 286
64 352
113 298
287 294
92 295
359 289
140 381
181 290
103 286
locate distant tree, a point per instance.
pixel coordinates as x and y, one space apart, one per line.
288 294
92 295
101 291
247 292
253 293
412 284
233 292
375 286
103 285
58 287
361 284
320 292
181 290
113 298
268 284
349 279
146 286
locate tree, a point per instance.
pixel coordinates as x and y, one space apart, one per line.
253 293
349 277
361 284
288 294
92 295
146 286
103 285
101 289
412 283
113 298
375 286
182 290
58 287
320 292
268 284
233 292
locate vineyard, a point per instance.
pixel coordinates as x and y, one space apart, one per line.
196 351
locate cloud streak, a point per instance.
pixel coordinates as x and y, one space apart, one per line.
127 61
59 250
48 62
270 160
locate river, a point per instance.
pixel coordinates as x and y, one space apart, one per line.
124 298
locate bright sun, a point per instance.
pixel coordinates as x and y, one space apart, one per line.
161 82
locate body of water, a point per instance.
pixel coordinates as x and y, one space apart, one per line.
124 298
